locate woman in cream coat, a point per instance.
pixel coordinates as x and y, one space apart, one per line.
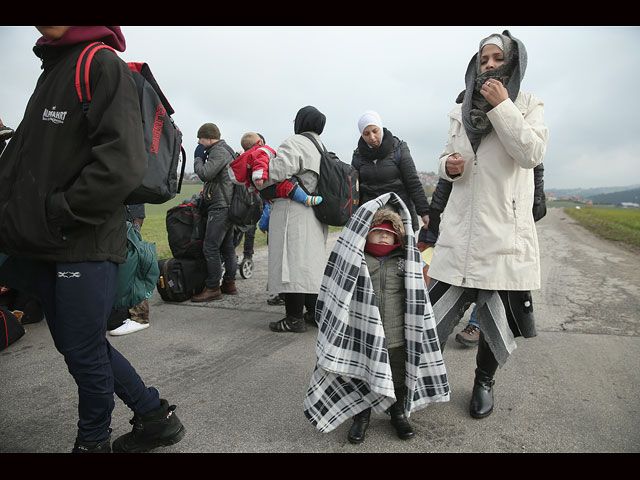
487 251
297 239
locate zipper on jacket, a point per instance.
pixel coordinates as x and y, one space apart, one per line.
473 196
515 225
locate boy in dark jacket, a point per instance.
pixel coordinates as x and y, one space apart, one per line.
69 174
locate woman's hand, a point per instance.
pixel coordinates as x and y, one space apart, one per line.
494 92
455 165
425 220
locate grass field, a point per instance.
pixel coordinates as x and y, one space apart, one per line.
154 228
615 224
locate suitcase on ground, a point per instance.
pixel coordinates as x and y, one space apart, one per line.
181 279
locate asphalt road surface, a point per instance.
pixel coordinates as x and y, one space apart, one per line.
239 387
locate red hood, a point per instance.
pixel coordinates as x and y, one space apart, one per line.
112 36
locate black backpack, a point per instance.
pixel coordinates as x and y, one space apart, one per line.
246 207
338 185
186 227
162 138
10 328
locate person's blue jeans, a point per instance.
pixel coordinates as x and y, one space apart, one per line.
218 247
77 299
472 319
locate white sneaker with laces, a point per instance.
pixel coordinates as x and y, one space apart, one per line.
129 326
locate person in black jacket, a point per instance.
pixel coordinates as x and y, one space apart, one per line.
385 165
67 175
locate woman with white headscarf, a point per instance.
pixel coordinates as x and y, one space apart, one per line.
487 252
385 165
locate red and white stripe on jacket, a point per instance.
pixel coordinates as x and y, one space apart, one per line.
251 165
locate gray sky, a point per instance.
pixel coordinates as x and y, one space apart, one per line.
257 78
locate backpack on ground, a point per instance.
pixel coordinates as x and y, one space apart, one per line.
246 207
138 276
162 138
338 185
181 279
186 227
10 328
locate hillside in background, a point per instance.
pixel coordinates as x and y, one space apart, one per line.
632 196
589 192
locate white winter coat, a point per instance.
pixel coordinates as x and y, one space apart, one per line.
488 238
297 240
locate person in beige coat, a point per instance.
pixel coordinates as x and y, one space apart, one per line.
487 252
297 239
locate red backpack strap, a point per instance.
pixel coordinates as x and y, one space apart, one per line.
82 70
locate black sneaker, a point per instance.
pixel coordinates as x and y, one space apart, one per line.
158 428
93 447
276 300
289 324
310 319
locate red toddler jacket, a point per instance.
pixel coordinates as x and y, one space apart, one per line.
251 165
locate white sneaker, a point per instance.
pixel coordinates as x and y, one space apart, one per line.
129 326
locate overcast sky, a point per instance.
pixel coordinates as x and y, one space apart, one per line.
257 78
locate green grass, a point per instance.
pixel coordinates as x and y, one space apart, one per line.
154 228
615 224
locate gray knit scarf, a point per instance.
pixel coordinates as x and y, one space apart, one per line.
510 74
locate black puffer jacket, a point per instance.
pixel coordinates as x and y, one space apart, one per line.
65 175
390 173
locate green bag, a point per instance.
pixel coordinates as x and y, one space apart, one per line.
137 277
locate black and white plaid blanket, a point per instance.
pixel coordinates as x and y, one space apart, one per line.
352 371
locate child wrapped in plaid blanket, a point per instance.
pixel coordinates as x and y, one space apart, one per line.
353 372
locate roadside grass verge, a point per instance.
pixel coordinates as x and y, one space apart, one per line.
615 224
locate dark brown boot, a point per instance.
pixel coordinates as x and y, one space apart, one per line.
229 287
207 295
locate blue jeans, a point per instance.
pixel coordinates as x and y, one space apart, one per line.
218 248
472 320
77 300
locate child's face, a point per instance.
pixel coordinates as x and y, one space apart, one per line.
382 237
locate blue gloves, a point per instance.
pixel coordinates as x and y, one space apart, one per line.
200 152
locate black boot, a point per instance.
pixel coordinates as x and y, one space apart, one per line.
93 447
359 427
482 395
158 428
399 420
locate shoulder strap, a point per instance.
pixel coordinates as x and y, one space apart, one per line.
230 150
83 66
315 142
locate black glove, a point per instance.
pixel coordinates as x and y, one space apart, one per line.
200 152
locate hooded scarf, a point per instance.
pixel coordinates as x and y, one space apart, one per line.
111 36
309 119
510 74
352 371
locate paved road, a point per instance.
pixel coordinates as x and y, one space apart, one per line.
239 387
